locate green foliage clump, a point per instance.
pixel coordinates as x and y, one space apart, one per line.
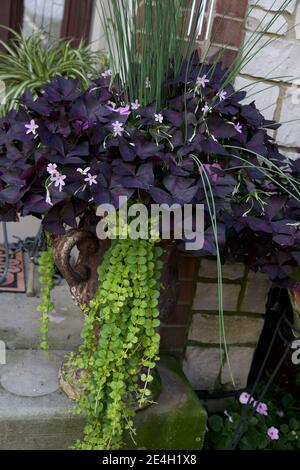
46 268
30 62
120 342
241 420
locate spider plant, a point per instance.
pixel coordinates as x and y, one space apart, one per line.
30 62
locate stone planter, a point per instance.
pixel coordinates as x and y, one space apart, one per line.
244 297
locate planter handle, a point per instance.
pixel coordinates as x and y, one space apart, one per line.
83 276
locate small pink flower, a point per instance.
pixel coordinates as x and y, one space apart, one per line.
52 168
222 95
262 409
273 433
58 180
31 127
159 118
238 127
118 128
245 398
206 109
214 176
135 105
202 81
91 179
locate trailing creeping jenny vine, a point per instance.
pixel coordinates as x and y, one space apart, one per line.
46 268
120 342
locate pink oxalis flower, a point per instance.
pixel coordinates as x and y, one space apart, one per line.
58 180
238 127
118 128
202 81
91 179
135 105
159 118
206 109
222 95
52 168
31 127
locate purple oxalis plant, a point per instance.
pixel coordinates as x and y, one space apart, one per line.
68 151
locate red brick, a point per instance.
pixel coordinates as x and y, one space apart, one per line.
187 292
235 8
179 316
173 337
226 31
188 267
226 58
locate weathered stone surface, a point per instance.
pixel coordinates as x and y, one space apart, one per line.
259 20
230 271
31 373
288 133
239 329
264 95
202 366
256 293
279 58
178 421
19 328
274 5
206 297
240 359
290 155
297 22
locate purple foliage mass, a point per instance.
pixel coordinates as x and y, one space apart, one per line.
140 157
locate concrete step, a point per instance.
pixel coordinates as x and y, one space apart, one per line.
19 321
44 422
35 414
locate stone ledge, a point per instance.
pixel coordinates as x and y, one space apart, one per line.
206 297
202 366
178 421
240 359
205 328
230 271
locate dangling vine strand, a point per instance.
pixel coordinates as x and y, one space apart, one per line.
46 268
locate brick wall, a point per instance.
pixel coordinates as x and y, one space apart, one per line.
174 328
277 67
227 28
244 301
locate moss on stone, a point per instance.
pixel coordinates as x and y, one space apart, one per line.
177 421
